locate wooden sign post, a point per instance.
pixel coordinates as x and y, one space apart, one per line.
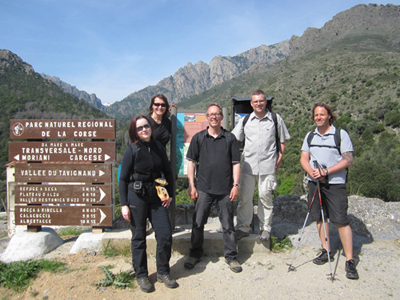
63 183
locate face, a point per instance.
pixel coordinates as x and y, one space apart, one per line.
258 103
159 106
143 129
321 116
214 116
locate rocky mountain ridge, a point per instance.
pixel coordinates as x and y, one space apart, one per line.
89 98
195 79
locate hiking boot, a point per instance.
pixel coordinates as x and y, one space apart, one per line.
265 235
351 272
240 234
323 258
145 284
234 265
168 280
190 262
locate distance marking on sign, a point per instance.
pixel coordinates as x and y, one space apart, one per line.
62 194
63 215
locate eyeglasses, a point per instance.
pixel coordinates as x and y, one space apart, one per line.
160 104
213 115
145 126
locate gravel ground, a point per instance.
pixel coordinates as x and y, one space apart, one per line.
264 276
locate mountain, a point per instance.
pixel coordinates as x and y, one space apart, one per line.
91 99
25 94
193 79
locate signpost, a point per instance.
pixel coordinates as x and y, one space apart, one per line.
63 215
63 194
61 151
44 164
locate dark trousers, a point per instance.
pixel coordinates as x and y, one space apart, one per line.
159 219
201 213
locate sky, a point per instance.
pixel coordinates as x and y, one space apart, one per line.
113 48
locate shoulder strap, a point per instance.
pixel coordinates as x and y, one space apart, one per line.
200 138
246 118
337 139
277 140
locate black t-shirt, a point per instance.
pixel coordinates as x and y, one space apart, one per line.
215 157
162 131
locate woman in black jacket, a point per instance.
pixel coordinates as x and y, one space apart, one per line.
144 161
159 113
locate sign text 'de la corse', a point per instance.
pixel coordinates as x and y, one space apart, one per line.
61 151
58 172
62 129
63 215
63 194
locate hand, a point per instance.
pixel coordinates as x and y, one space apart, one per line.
167 202
193 194
126 213
234 193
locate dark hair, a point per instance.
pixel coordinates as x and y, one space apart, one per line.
328 109
133 135
257 92
217 105
161 96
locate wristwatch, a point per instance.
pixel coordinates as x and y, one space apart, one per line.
238 185
326 172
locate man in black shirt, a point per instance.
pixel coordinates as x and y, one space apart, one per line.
215 152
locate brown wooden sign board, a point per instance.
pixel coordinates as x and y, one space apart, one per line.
63 215
58 172
62 194
62 129
61 151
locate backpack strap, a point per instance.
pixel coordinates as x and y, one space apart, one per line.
336 137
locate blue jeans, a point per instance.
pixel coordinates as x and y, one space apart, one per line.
200 216
159 218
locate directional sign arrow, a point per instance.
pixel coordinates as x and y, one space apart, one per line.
106 157
16 157
102 194
102 216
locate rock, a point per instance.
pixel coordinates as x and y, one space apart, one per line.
29 245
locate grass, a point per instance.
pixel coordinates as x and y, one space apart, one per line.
280 245
71 231
17 276
111 250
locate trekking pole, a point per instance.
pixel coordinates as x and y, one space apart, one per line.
291 267
316 165
337 262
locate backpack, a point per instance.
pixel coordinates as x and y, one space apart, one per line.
274 118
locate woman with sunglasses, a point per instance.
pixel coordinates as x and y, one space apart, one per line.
159 113
143 162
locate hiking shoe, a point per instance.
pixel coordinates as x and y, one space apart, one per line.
145 284
351 272
234 265
190 262
168 280
241 234
265 235
323 258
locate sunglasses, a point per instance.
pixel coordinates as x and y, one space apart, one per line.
160 104
145 126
